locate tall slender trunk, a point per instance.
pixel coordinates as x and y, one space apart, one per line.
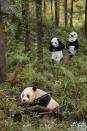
71 14
58 17
86 18
25 21
39 31
2 50
52 10
18 30
57 12
65 12
45 8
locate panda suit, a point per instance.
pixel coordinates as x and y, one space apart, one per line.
56 47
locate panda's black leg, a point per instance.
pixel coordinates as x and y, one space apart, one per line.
40 109
61 59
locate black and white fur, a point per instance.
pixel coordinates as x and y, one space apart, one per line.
30 94
73 43
56 47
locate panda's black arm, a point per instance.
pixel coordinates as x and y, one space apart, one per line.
61 46
76 45
38 109
51 47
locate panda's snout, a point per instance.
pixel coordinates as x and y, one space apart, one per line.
24 100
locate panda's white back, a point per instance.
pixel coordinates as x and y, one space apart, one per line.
52 104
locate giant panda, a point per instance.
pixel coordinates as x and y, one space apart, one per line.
56 47
73 43
33 95
30 94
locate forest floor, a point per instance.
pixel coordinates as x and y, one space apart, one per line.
67 82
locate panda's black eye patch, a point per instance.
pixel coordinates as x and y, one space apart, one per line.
28 96
23 95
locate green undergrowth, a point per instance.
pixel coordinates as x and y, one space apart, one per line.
66 81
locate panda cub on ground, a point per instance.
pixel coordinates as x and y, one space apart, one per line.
73 43
30 94
46 103
56 47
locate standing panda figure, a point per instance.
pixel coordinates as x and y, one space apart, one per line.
31 94
73 43
56 47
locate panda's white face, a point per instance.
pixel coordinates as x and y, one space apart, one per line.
55 42
26 95
30 94
73 36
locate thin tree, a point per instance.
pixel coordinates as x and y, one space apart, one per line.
52 10
86 18
18 30
25 24
2 50
57 12
65 12
45 8
39 31
58 4
71 14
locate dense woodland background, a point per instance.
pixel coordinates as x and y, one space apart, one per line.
26 27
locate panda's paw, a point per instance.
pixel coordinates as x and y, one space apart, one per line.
17 116
61 59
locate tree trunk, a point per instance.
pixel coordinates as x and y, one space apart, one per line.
65 12
39 31
52 10
57 12
71 14
2 51
58 4
45 8
25 22
18 30
86 18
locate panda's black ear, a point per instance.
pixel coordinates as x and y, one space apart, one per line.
34 88
50 43
57 39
